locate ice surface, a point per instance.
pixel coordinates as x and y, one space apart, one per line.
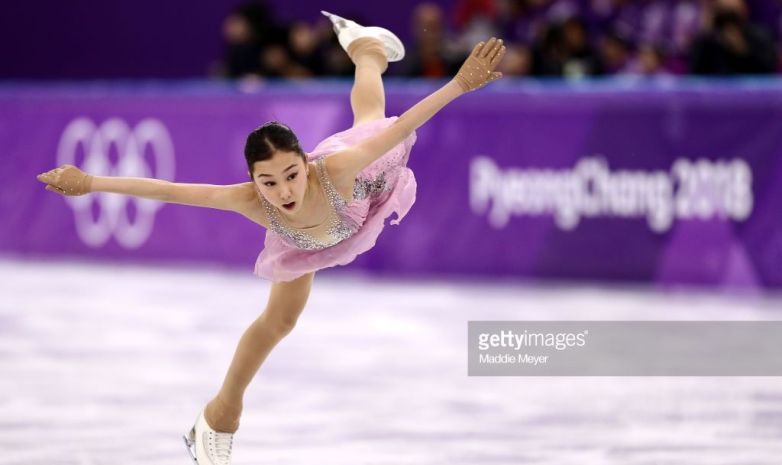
110 364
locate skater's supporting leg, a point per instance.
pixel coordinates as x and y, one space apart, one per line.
286 302
367 98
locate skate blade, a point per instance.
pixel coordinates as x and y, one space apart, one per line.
334 19
331 16
338 22
190 445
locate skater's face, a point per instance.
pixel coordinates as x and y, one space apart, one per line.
282 180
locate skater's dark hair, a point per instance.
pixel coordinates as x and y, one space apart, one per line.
267 139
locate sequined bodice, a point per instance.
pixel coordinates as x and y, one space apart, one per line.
381 189
339 226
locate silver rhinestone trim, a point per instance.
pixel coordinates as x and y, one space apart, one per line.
339 229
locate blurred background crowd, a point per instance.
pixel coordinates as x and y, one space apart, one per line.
570 38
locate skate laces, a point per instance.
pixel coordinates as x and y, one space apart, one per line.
223 442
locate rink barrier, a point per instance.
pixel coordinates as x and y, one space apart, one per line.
665 181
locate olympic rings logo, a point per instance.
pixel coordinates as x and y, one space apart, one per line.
113 219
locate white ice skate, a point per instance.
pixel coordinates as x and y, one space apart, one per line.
348 31
207 446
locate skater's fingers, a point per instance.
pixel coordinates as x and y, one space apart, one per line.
53 175
495 50
488 47
47 177
495 76
476 51
498 56
51 188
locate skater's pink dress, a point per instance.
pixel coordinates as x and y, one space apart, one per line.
382 188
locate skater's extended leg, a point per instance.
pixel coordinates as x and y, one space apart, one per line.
286 302
367 98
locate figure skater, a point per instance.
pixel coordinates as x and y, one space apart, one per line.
320 209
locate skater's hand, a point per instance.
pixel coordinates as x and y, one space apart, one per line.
478 69
67 180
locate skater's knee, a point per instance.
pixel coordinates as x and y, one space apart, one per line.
281 326
286 302
281 321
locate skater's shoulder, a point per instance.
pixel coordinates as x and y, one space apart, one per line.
341 173
248 204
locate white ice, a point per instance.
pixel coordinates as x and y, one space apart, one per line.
110 364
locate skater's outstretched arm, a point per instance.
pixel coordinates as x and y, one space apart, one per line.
476 72
241 198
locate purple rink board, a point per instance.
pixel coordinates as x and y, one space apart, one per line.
666 182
